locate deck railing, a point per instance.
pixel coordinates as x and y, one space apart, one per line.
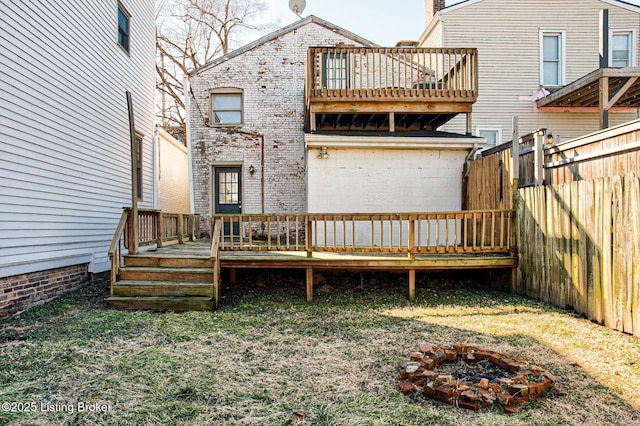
359 73
154 227
480 231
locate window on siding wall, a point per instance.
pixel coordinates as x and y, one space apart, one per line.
123 27
138 156
493 135
622 48
552 58
335 75
226 107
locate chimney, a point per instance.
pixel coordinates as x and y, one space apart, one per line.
432 7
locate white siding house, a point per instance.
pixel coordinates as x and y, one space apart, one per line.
529 48
64 136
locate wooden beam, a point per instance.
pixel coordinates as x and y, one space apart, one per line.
309 284
412 285
604 99
133 247
383 107
620 92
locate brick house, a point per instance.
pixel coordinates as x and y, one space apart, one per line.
313 118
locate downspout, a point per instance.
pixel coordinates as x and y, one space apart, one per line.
187 107
261 136
467 160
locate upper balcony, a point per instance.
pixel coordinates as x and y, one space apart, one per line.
388 89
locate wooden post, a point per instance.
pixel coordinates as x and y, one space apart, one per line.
470 124
603 85
133 247
309 284
412 237
309 237
412 285
233 277
180 229
538 171
392 122
159 229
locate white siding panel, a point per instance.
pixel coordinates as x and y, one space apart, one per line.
506 33
64 132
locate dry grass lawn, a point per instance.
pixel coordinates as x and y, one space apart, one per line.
269 358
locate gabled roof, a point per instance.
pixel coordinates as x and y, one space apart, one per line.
279 33
620 3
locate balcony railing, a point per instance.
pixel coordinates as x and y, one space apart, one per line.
391 74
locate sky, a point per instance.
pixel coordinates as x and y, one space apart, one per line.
383 22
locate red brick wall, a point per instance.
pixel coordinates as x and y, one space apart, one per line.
21 292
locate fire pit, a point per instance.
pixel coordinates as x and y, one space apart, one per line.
473 378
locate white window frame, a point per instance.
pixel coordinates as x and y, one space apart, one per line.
225 91
498 131
126 43
633 47
562 77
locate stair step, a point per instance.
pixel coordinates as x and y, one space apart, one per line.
161 303
167 261
162 288
202 275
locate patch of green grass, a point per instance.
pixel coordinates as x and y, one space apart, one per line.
267 357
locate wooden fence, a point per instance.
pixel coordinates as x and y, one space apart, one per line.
489 181
612 152
579 247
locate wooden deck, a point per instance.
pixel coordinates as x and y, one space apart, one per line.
186 276
199 250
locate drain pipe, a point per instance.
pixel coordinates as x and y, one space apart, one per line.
467 160
261 136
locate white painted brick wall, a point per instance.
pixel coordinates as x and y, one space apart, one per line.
272 77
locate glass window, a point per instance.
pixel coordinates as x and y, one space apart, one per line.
621 50
551 60
228 188
226 107
138 156
336 71
123 27
493 136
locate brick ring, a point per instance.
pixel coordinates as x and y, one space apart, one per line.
417 375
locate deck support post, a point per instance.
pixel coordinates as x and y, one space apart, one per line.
412 285
233 278
514 280
309 284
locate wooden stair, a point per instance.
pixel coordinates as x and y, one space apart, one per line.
164 283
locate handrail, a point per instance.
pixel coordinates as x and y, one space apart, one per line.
215 239
115 250
118 233
468 231
347 72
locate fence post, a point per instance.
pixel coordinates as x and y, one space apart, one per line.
180 229
538 147
159 229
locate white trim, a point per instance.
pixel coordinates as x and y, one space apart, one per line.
459 6
632 45
496 129
627 6
391 142
563 55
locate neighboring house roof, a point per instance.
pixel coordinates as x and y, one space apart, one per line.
619 3
279 33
